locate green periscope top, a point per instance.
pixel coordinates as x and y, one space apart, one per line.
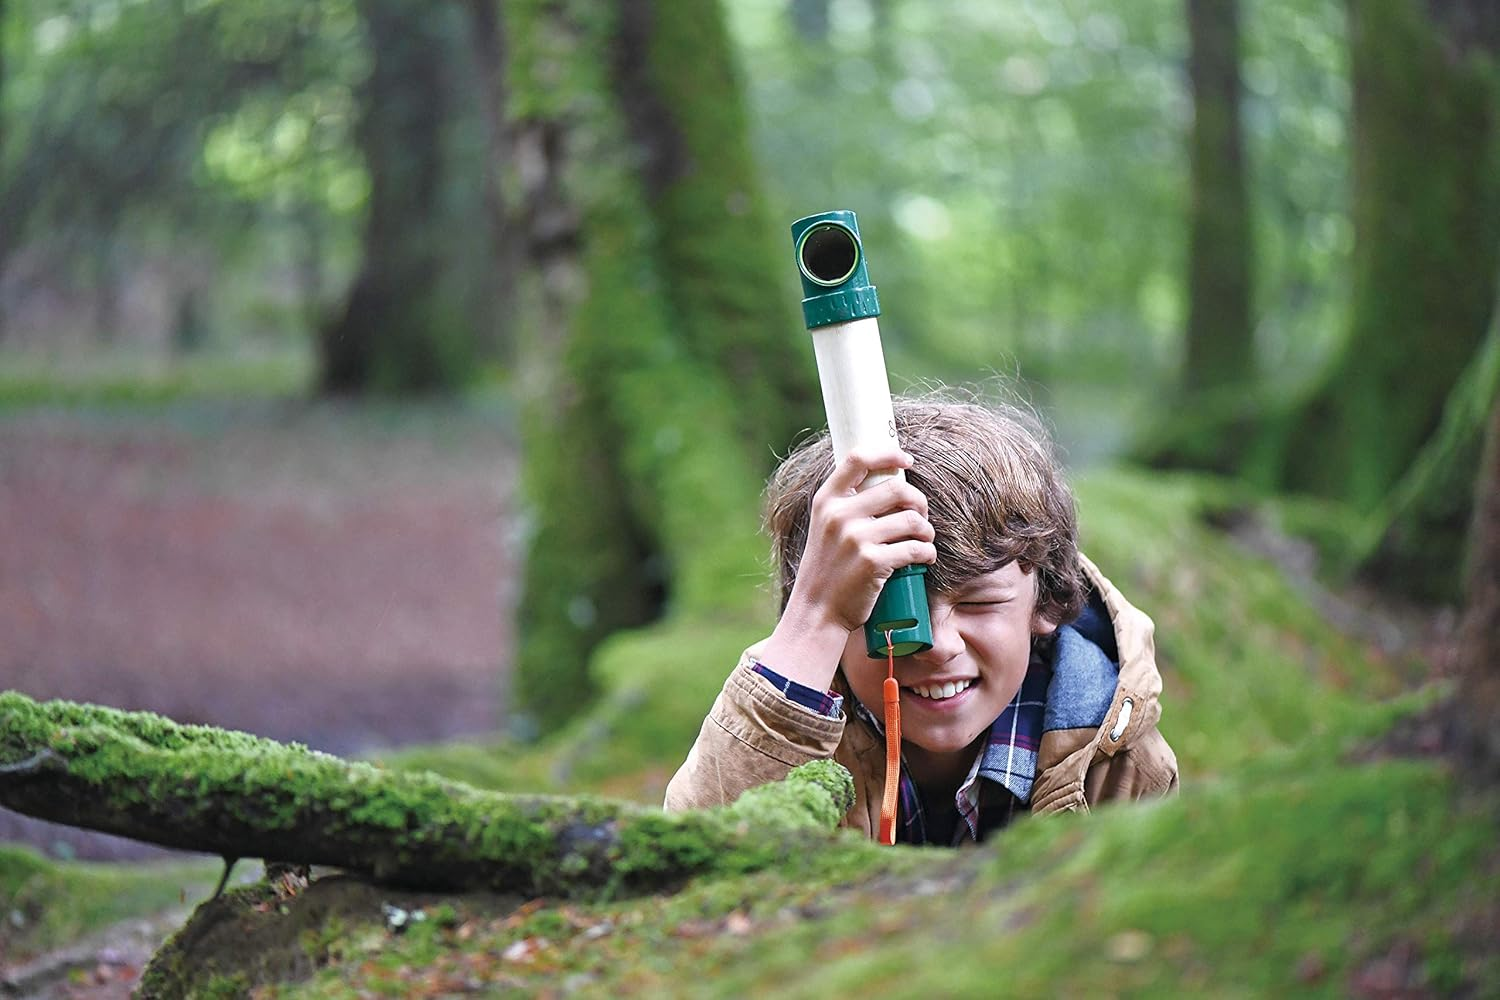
831 261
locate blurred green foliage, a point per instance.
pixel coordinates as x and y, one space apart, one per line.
1019 168
1020 174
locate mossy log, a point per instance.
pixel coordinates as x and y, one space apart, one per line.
228 793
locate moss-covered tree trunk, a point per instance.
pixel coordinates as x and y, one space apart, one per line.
663 360
204 789
1219 347
1426 189
403 327
1423 528
1478 702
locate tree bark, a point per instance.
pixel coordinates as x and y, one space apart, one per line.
1478 702
1426 208
204 789
663 362
1219 347
403 327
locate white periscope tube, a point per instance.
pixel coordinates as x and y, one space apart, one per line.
856 390
840 306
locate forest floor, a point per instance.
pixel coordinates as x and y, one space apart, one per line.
334 575
317 550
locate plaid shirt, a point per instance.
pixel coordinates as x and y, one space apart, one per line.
1007 764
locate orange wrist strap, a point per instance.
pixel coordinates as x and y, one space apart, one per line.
892 695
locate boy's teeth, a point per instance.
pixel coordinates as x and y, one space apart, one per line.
938 692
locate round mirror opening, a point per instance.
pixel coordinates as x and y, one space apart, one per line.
829 254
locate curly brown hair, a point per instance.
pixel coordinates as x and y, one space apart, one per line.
995 494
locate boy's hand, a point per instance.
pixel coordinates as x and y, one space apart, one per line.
856 539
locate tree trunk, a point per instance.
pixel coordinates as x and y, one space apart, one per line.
488 34
403 328
1212 424
1425 525
197 788
1426 190
664 356
1220 347
1478 702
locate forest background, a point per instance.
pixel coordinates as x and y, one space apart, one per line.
491 306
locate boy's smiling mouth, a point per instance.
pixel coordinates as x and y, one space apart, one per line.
941 692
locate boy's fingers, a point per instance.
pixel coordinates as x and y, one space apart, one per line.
891 495
859 463
915 552
900 526
886 559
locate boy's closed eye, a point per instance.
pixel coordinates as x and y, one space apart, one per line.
983 600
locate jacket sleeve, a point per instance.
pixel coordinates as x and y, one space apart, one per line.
753 735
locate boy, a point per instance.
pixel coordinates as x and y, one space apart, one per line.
1040 690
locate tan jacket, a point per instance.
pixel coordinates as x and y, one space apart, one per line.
755 735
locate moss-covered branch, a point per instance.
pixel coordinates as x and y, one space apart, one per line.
205 789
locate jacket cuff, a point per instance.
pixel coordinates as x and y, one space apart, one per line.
752 710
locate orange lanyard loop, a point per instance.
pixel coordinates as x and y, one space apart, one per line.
892 696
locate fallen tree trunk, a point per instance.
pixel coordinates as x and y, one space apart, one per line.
228 793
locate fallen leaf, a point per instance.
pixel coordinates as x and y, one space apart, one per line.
523 950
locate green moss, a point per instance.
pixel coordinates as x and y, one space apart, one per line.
225 987
1249 664
1423 525
1283 882
252 939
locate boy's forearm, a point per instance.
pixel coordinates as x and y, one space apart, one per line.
803 648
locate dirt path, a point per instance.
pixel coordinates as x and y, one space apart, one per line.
104 966
337 576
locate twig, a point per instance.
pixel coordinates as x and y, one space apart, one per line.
32 765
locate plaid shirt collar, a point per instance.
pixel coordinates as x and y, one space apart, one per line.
1007 765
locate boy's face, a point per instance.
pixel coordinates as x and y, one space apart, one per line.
981 644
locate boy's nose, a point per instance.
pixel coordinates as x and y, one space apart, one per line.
946 640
